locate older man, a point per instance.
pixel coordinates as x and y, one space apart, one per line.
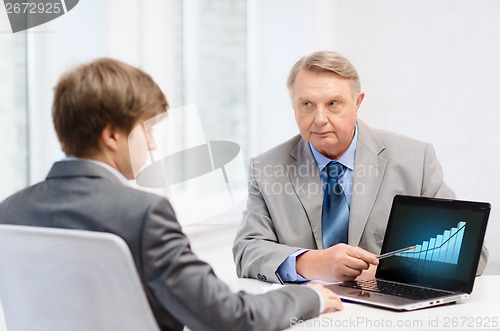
96 106
318 204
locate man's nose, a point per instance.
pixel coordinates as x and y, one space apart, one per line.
151 142
320 117
150 139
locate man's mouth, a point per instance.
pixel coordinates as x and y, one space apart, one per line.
322 133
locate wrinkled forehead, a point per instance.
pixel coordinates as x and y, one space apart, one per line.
315 84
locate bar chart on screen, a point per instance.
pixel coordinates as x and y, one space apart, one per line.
443 248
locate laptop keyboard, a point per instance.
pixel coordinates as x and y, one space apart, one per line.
397 289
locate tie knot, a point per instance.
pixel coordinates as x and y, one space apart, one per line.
334 169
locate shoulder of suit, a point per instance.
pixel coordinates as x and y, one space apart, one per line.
139 194
135 197
18 196
279 153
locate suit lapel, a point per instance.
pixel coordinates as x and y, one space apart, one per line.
304 175
369 169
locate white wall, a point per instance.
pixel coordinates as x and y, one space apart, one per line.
429 70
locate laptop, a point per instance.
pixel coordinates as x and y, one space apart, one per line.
446 237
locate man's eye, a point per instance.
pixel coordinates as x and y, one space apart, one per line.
332 103
307 104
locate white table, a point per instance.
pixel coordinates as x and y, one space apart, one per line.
480 311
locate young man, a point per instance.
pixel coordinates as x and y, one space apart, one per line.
96 106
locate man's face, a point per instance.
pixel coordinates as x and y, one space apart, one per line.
140 141
325 110
133 150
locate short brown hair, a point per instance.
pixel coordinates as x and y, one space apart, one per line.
100 93
325 61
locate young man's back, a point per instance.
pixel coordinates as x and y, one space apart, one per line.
80 194
95 109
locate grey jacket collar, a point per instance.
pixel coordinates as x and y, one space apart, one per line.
80 168
369 169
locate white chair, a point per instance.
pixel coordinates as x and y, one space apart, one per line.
59 279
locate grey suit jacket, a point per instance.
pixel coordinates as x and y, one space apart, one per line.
285 197
181 289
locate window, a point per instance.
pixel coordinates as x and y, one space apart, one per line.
13 109
206 85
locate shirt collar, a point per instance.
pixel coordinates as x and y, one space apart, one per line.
347 160
106 166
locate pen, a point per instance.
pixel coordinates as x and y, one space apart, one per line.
279 278
389 254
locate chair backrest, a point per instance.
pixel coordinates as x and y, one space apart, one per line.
60 279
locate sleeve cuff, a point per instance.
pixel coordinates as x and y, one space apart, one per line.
287 269
321 302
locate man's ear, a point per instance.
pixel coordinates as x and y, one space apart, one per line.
359 100
110 137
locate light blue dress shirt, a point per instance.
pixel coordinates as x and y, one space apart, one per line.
287 270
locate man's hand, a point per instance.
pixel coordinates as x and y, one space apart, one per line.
337 263
368 273
332 301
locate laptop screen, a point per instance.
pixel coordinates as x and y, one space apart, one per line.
448 235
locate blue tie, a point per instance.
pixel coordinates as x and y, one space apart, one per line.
335 215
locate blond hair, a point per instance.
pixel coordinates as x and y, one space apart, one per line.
100 93
325 61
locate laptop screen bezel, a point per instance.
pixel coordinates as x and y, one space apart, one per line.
436 282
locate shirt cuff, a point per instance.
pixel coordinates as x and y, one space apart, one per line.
321 302
287 269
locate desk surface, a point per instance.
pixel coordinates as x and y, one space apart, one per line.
480 311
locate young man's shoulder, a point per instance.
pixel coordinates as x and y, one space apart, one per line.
138 194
